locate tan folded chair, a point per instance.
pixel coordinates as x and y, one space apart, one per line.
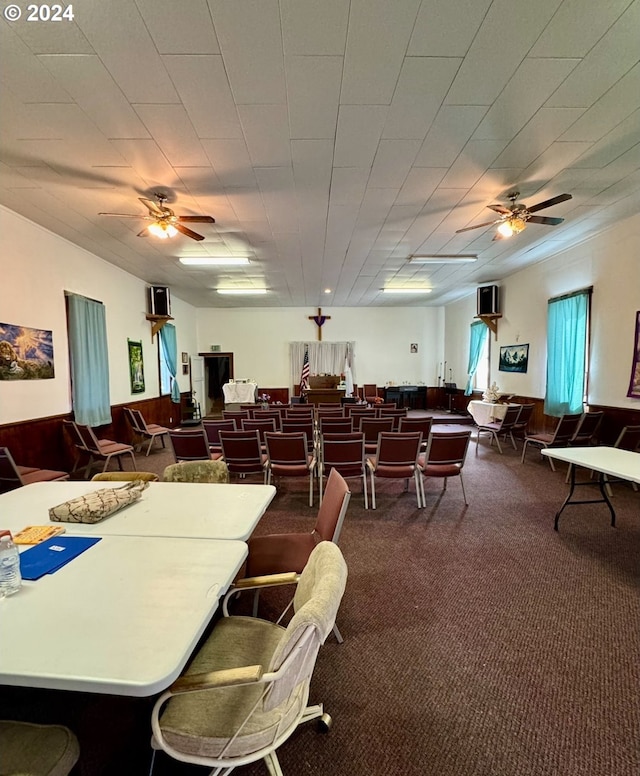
126 476
197 471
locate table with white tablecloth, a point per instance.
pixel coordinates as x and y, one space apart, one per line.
239 393
484 412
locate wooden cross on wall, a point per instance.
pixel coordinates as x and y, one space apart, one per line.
319 320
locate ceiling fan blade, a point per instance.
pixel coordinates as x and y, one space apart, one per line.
196 219
477 226
143 233
549 202
188 233
500 209
545 220
153 207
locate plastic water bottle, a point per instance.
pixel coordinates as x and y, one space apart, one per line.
10 577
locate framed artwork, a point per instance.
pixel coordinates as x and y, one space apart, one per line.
136 366
414 347
25 354
185 358
514 358
634 382
185 369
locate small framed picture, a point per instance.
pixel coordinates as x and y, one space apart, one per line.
414 347
185 358
185 369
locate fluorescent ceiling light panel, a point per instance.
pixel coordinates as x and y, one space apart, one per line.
212 261
241 291
406 290
443 258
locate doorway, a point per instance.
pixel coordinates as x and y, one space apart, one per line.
218 370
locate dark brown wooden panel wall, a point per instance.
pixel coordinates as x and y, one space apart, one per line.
42 442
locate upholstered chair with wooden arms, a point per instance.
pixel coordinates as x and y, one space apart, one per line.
247 688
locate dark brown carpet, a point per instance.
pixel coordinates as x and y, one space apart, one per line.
478 642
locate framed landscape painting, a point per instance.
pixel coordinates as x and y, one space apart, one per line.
136 366
514 358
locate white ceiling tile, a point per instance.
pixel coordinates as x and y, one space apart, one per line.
544 128
614 106
251 43
312 170
555 158
146 158
446 29
266 131
278 196
450 131
422 86
515 106
392 162
419 185
174 133
613 144
600 69
178 30
576 29
205 93
120 38
474 159
358 134
231 162
310 27
313 92
507 33
377 40
90 84
61 37
24 74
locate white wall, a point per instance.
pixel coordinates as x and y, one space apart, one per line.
610 263
37 268
259 340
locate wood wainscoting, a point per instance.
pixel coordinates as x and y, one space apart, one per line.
42 442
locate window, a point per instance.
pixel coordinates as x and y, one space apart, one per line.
567 353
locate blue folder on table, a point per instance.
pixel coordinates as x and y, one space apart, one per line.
47 557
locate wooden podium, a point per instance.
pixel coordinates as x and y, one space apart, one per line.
324 389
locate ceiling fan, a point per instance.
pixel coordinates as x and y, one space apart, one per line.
164 222
514 218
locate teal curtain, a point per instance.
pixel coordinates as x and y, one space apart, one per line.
567 319
169 347
89 361
479 332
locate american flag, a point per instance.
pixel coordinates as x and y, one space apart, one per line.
306 371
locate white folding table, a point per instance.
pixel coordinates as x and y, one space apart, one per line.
611 461
188 510
121 618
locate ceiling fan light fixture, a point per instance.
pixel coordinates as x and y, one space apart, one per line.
511 226
162 230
